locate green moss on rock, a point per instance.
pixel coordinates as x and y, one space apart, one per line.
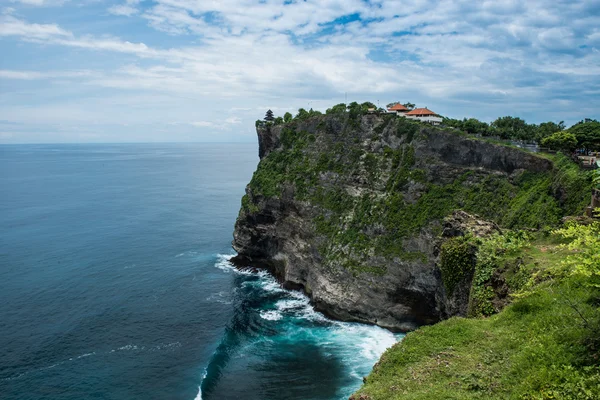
360 196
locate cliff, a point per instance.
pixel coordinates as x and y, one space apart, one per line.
353 210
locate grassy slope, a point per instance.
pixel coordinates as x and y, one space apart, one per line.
539 347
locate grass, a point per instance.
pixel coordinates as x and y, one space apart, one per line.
542 346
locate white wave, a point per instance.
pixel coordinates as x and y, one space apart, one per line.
166 346
199 395
224 264
271 315
288 305
85 355
358 346
128 347
271 285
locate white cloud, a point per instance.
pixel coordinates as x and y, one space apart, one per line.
200 124
460 58
126 9
34 75
11 26
41 2
233 120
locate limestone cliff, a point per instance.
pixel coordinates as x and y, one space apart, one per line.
352 210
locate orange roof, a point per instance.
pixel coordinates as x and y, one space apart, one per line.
421 111
398 107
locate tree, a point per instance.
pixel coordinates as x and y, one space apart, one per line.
513 128
546 129
561 140
278 121
269 116
471 125
475 126
312 113
366 105
452 122
287 117
587 133
354 109
302 114
409 105
338 108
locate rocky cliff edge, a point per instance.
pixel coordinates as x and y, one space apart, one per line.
353 211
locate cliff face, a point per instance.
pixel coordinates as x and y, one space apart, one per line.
353 211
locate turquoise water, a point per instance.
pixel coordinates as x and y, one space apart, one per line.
114 284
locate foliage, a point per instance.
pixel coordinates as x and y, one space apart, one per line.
472 126
587 133
355 228
407 128
543 346
492 256
456 261
302 114
572 184
561 140
247 205
287 117
338 108
584 242
366 105
508 128
546 129
513 128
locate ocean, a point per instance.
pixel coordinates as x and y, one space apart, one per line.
115 284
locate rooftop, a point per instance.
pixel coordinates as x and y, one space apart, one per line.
398 107
421 111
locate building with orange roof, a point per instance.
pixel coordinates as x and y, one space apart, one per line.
424 115
398 109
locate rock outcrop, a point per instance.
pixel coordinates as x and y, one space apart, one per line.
353 211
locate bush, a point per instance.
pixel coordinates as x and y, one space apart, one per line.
457 261
560 141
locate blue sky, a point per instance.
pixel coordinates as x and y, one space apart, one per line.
199 70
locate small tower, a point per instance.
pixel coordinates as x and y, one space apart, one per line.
269 116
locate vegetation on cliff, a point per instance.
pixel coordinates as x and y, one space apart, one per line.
584 134
323 167
545 345
372 192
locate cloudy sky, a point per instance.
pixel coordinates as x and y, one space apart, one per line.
201 70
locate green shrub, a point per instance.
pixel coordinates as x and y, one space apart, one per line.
457 260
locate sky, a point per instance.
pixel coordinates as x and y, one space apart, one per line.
205 70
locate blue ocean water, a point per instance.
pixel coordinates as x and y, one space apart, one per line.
115 284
